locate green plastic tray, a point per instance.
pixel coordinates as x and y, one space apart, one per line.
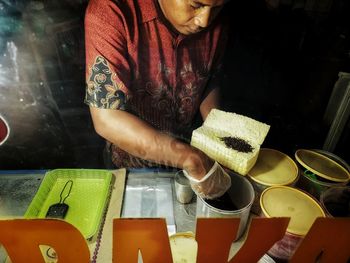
87 200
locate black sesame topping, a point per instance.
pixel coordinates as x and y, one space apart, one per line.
237 144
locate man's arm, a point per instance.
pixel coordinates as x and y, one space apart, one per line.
138 138
210 102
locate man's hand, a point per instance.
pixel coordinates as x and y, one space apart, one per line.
197 164
213 185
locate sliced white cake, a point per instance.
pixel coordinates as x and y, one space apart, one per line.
237 125
184 247
231 139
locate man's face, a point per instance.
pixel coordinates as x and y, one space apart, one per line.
190 16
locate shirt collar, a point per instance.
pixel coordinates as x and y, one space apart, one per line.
148 10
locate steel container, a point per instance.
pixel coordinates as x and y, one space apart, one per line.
336 201
183 190
241 194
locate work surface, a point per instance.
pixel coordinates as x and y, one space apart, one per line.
144 193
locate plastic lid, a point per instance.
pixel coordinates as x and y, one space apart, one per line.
322 166
273 168
285 201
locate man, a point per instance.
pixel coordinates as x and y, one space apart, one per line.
152 65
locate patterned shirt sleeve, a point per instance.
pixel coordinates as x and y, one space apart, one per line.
107 69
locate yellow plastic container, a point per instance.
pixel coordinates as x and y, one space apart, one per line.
273 168
322 166
319 172
303 209
87 200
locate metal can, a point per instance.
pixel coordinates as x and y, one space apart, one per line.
236 202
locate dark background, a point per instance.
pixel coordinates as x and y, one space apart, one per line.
281 65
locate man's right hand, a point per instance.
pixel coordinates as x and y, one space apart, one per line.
197 164
213 185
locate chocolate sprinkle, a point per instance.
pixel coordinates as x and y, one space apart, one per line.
223 202
237 144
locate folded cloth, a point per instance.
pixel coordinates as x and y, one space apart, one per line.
213 185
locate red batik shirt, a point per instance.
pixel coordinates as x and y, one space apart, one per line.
135 62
